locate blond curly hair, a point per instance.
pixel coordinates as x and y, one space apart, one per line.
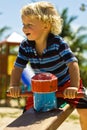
46 12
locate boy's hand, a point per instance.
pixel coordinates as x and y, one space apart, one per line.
70 92
14 91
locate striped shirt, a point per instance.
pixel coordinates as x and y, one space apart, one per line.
54 58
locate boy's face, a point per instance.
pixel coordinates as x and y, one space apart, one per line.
33 28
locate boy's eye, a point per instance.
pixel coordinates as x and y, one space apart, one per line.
27 25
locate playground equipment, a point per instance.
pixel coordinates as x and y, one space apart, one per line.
44 89
51 119
7 57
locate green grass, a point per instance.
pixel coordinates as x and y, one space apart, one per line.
12 115
73 117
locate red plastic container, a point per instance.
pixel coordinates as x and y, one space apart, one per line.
44 83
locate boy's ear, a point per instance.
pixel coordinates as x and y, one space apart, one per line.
47 26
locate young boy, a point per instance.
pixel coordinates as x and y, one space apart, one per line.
48 52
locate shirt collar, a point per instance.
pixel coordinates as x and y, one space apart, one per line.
49 40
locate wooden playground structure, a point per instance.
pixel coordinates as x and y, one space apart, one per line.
8 52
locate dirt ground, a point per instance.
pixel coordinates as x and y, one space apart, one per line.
9 114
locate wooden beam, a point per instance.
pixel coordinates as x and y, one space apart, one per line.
32 120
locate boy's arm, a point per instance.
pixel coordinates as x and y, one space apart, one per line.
71 91
14 88
15 76
74 74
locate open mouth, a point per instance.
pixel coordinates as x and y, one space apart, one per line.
27 34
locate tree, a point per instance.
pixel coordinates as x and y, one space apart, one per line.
67 30
3 30
83 7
